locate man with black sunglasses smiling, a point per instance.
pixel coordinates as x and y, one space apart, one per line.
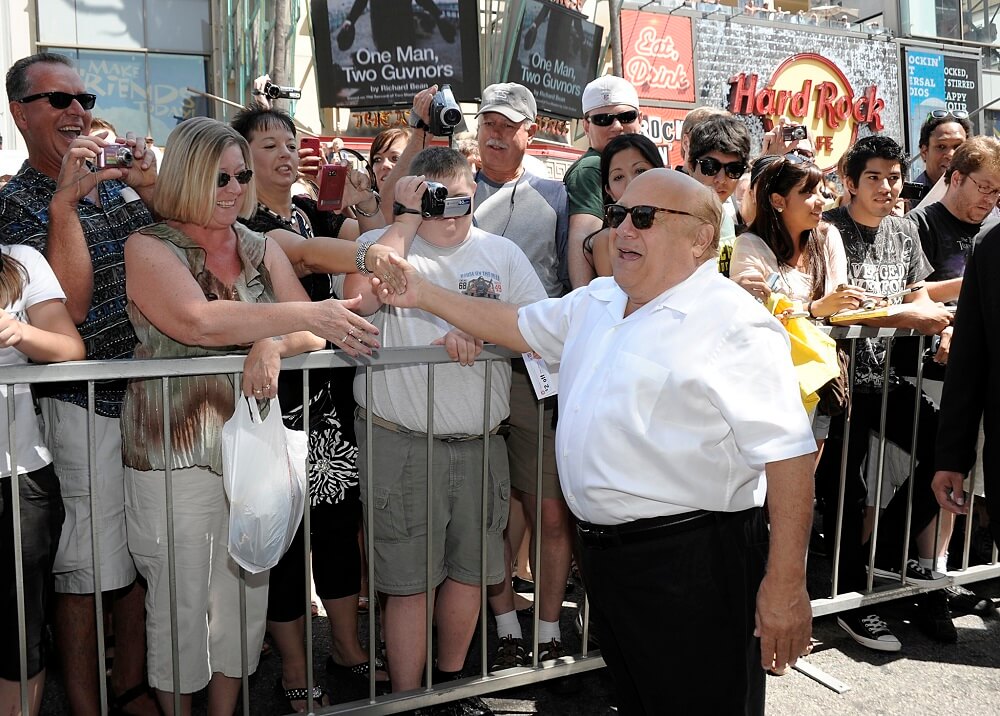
666 470
79 217
610 108
718 155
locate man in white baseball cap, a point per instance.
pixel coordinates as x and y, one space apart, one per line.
610 108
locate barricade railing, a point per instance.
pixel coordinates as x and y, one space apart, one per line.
485 682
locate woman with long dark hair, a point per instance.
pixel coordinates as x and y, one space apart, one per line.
788 237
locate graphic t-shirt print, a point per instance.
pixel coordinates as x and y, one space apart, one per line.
481 284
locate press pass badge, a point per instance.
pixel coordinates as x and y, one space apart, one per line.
544 381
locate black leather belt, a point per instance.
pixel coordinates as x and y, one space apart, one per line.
604 536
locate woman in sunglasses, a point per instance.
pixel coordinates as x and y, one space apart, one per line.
199 283
623 159
333 477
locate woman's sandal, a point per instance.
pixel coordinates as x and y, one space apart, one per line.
119 703
320 697
360 672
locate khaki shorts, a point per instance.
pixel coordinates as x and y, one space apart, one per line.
522 441
400 504
208 586
66 436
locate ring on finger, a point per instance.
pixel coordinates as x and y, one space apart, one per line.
267 387
346 336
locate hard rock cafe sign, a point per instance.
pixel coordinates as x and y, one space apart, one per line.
810 90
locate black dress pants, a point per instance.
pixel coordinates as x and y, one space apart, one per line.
675 617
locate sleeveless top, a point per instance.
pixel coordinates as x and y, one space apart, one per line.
199 405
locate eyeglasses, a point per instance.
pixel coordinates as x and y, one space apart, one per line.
985 190
710 167
642 215
942 113
62 100
242 177
606 120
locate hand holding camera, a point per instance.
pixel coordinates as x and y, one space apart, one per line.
785 138
436 111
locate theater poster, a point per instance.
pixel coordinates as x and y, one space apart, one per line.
555 57
379 53
936 81
658 55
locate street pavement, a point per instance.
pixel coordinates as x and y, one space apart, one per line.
924 678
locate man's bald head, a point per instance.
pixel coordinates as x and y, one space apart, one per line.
683 234
685 194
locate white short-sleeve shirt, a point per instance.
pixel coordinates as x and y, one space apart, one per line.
42 285
676 407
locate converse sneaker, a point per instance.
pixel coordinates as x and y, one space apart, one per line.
869 630
510 654
916 575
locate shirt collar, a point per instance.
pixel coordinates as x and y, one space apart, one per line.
681 298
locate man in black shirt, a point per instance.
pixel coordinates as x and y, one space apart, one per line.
883 257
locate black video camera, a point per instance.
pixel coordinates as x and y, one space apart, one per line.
278 92
445 114
436 203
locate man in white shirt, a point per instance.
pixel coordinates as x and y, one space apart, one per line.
676 397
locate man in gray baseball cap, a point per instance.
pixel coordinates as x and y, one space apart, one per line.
533 213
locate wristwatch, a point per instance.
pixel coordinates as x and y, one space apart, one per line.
398 209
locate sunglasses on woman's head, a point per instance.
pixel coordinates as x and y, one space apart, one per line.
942 113
62 100
242 177
606 120
710 167
642 215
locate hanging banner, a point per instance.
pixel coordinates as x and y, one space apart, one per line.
379 53
657 55
555 57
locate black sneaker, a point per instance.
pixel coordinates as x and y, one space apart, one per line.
869 630
510 654
551 650
965 601
934 619
916 575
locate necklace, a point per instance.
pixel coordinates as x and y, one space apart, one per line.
861 234
298 223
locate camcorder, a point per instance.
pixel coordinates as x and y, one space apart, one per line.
115 155
914 191
445 113
436 203
278 92
793 132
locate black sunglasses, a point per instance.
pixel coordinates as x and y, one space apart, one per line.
62 100
642 215
606 120
710 167
942 113
242 177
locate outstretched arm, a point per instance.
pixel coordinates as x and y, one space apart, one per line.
491 320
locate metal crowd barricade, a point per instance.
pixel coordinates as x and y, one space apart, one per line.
485 682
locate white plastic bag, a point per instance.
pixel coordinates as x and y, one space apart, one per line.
264 473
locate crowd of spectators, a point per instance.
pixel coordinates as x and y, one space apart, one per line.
212 250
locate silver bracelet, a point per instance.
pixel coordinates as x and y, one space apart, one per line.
378 205
359 259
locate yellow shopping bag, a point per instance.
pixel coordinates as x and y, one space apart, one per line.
814 353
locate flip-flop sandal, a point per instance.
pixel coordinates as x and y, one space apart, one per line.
359 672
